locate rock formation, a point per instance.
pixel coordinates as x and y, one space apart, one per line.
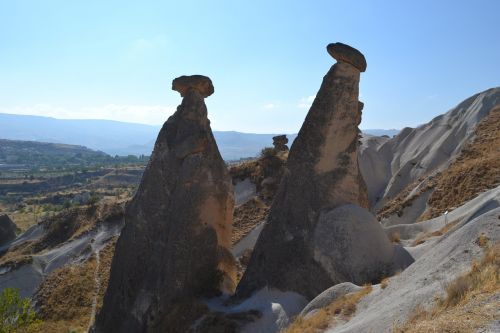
174 246
7 229
345 53
279 143
321 174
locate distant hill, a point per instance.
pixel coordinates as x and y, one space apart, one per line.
26 152
121 138
31 155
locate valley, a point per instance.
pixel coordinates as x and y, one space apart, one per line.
332 230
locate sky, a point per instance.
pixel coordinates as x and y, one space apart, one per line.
116 59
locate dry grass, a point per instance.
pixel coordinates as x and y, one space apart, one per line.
248 216
23 220
471 300
384 283
341 309
424 236
482 241
267 166
395 237
17 255
65 297
106 256
476 169
397 204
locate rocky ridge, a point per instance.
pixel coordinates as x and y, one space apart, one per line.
402 173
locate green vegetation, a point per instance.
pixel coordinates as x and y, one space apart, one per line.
32 160
93 199
40 180
267 152
16 313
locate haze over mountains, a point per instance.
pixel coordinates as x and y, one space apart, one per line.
122 138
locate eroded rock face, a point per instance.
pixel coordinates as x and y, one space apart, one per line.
321 174
351 245
7 229
175 242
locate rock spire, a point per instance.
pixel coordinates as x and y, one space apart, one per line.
174 247
321 174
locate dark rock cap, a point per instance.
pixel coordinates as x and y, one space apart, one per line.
280 138
346 53
200 83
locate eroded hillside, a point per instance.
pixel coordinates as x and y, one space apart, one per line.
475 170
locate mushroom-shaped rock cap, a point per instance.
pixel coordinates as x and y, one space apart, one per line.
346 53
200 83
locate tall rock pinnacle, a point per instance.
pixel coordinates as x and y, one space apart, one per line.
321 174
175 243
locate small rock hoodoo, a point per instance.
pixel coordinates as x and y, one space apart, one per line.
279 142
321 175
174 247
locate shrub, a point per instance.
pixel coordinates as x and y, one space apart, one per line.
482 241
268 152
93 199
456 290
16 314
67 204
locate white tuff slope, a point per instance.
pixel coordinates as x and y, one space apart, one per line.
389 165
450 256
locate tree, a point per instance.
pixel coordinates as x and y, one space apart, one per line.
93 199
67 204
16 313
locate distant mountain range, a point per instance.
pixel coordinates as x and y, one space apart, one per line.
121 138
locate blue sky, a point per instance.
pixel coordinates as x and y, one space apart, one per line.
116 59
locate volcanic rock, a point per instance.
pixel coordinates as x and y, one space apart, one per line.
200 83
279 143
350 245
175 243
321 174
345 53
7 229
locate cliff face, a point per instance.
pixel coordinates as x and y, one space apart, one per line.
321 174
178 226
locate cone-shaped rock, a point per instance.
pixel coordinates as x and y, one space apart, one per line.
174 246
321 174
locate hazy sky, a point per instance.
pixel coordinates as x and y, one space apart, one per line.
116 59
